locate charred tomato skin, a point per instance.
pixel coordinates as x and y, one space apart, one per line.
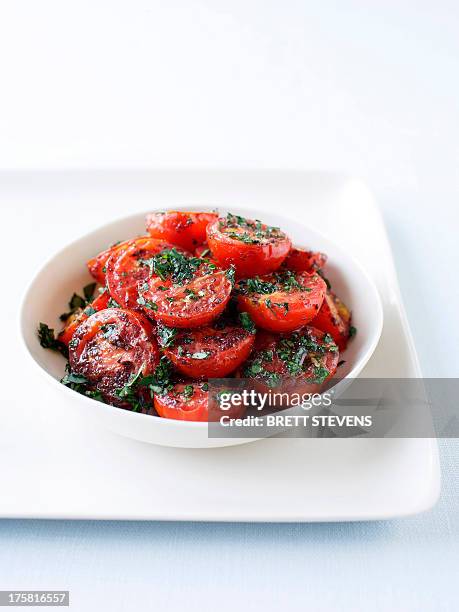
284 310
100 303
255 252
111 346
184 229
334 318
125 271
210 352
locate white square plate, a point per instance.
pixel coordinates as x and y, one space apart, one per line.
63 467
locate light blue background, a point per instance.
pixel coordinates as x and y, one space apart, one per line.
370 88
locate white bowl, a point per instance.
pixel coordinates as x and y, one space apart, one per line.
66 272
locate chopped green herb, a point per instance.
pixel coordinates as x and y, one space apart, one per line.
80 384
160 381
352 331
231 274
88 291
246 322
166 335
174 265
147 304
188 391
320 375
77 302
49 341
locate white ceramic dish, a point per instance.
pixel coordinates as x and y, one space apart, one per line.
61 466
66 272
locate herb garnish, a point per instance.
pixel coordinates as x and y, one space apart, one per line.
76 301
80 384
48 340
172 264
188 391
166 335
246 322
147 304
158 382
280 281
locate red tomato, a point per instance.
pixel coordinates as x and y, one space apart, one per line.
126 269
184 402
97 265
100 303
111 346
282 302
184 229
185 291
210 352
334 317
298 362
300 260
252 247
190 401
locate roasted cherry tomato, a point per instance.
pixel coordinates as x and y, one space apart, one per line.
184 229
283 301
334 317
100 303
97 265
110 347
210 352
127 269
301 361
184 402
251 246
300 260
184 291
190 401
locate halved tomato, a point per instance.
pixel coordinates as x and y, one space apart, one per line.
97 265
334 317
128 268
251 246
110 347
300 260
184 291
210 352
188 401
191 401
100 303
298 362
184 229
283 301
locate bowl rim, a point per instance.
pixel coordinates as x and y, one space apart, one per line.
176 423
